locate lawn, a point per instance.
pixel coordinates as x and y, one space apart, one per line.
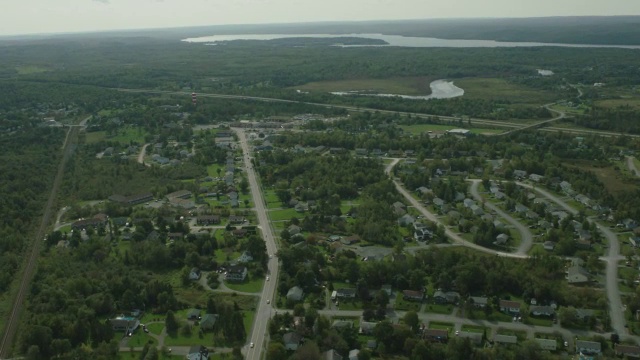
632 102
404 305
251 286
402 86
225 255
530 320
124 136
475 329
189 340
503 90
285 214
139 338
156 328
438 309
212 170
440 325
30 69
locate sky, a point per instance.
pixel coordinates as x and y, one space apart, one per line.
54 16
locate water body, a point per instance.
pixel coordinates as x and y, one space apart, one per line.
397 40
440 89
545 72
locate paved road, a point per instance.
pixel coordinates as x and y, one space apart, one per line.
561 115
616 310
632 166
264 310
432 217
143 151
525 235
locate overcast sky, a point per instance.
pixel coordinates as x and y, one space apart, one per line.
46 16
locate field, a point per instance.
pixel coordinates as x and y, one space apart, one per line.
612 180
251 286
631 102
286 214
125 136
502 90
30 69
401 86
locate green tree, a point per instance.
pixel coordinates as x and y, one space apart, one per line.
171 323
411 320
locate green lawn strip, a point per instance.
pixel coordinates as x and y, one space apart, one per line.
530 320
155 328
251 286
438 308
195 338
472 328
140 338
441 325
404 305
350 304
225 255
247 320
284 214
212 170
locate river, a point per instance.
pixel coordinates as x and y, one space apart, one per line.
440 89
397 40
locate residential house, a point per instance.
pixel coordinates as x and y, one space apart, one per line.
505 339
295 294
501 239
198 352
547 311
126 324
346 293
291 340
353 354
474 337
399 208
479 301
521 209
508 306
549 245
406 219
438 335
536 177
468 203
180 194
236 219
372 344
208 220
361 152
208 321
236 273
412 295
194 314
245 257
366 327
449 297
519 174
584 314
422 234
330 355
547 344
476 210
577 275
424 190
94 222
588 347
294 230
583 199
194 274
630 351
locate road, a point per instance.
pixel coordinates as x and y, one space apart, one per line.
561 115
143 151
31 257
632 166
616 310
433 218
264 310
526 238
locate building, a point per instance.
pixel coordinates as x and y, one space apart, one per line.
463 132
295 294
124 323
245 257
194 314
353 354
291 340
505 339
180 194
412 295
194 274
132 199
208 220
474 337
631 351
588 347
508 306
547 344
577 275
208 321
236 273
96 221
330 355
547 311
438 335
198 352
479 301
346 293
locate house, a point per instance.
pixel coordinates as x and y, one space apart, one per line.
549 245
194 274
372 344
96 221
208 321
474 337
366 327
361 152
330 355
449 297
424 190
565 186
501 239
291 340
588 347
577 275
438 202
505 339
412 295
476 210
198 352
236 273
295 294
194 314
547 311
479 301
208 220
631 351
584 314
346 293
468 203
406 219
353 354
294 230
536 177
547 344
387 288
126 324
519 174
245 257
236 219
508 306
399 208
438 335
180 194
521 209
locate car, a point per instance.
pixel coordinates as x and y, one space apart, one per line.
251 345
515 319
267 278
146 330
566 344
457 332
268 301
270 256
129 334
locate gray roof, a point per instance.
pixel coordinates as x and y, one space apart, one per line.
505 339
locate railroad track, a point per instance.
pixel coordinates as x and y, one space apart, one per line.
11 327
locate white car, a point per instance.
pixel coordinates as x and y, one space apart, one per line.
268 301
251 345
267 278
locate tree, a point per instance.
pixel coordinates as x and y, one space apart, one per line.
308 351
411 320
171 323
276 351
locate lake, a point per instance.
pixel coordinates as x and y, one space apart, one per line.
440 89
397 40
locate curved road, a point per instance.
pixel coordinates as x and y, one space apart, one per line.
143 151
525 235
632 166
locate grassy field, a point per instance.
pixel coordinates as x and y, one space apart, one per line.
139 338
475 329
441 326
223 256
404 305
502 90
631 102
251 286
124 136
402 86
156 328
438 309
612 180
212 170
285 214
422 128
30 69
